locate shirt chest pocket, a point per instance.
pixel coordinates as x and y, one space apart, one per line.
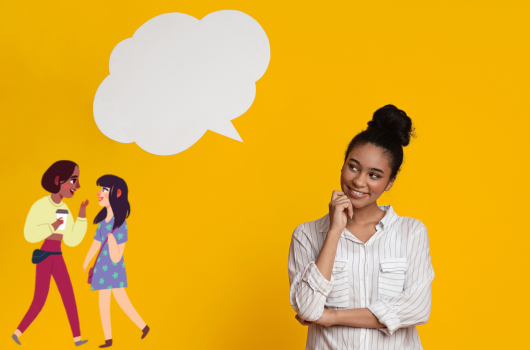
339 296
392 277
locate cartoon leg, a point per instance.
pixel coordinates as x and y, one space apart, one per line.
42 286
126 305
104 310
62 279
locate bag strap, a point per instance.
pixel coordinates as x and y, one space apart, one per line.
100 248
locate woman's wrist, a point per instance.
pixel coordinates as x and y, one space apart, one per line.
335 232
328 318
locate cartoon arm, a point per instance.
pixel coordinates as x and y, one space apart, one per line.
115 249
91 252
117 242
74 233
36 228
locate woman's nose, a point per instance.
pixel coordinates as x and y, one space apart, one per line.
358 182
78 184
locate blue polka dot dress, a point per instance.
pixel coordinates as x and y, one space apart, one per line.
108 274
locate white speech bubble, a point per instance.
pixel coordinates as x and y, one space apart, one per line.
178 77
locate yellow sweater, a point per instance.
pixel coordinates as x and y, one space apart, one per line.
43 213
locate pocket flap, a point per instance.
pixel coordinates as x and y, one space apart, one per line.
394 265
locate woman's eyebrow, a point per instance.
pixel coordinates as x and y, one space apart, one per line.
373 169
73 177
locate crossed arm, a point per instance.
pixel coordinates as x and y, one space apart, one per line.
310 287
361 318
302 285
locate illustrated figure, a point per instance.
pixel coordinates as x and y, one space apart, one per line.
109 276
361 275
49 219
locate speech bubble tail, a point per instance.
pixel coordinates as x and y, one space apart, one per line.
225 128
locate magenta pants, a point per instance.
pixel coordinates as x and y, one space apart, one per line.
52 266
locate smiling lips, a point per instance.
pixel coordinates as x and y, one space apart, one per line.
100 199
357 194
72 191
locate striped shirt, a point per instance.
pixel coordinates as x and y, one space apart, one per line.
390 274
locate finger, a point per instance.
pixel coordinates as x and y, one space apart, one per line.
336 194
342 199
350 209
345 205
341 204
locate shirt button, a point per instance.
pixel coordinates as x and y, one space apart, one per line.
362 278
362 260
362 298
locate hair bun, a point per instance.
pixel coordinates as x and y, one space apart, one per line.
391 120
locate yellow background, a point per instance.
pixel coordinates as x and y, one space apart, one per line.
210 227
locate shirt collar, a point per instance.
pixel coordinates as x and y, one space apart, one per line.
386 221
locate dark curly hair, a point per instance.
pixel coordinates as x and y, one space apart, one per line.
390 129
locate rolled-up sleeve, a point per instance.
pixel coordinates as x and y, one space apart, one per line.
309 289
412 307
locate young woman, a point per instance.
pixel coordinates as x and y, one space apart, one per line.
46 222
361 276
109 273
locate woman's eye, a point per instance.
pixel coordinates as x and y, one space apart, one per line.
104 190
374 176
352 167
72 181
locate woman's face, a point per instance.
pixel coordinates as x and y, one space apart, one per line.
71 185
103 197
365 175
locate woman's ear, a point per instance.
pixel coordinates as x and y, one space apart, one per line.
56 180
390 183
118 194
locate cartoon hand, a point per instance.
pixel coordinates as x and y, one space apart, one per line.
57 223
82 209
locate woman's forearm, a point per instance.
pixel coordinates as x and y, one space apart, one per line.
360 318
326 257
